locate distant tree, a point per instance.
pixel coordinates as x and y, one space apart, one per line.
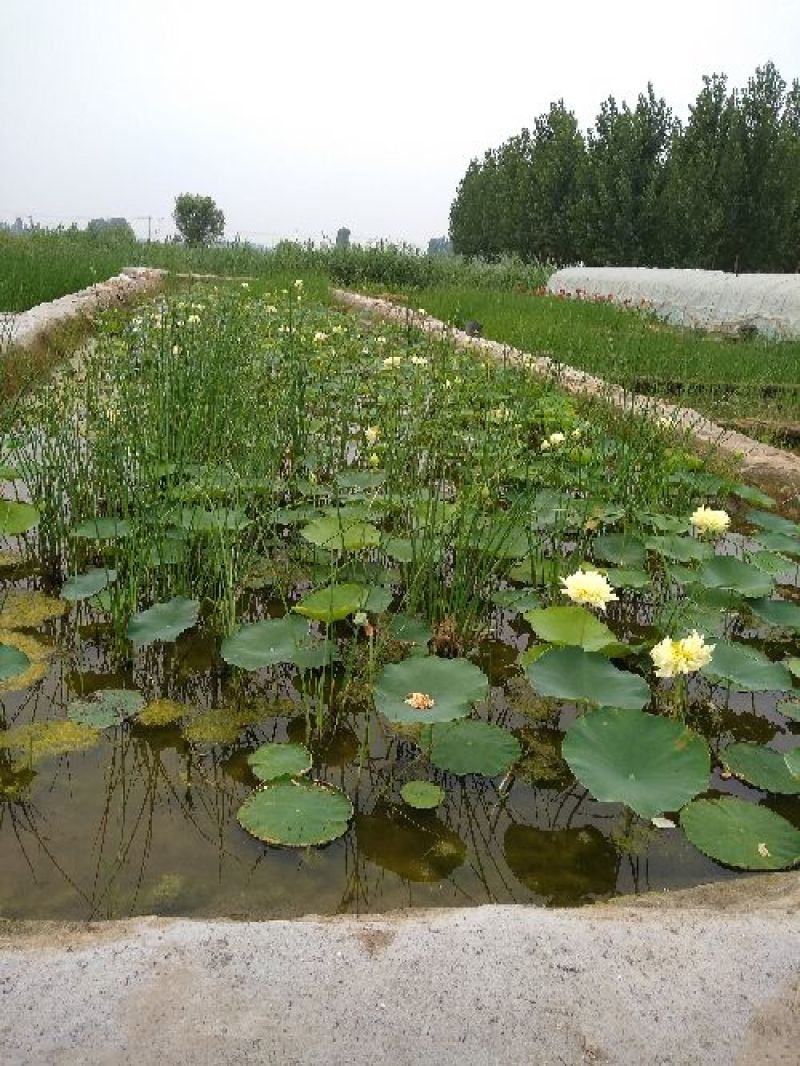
343 238
198 219
118 227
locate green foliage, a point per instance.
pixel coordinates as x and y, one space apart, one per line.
198 219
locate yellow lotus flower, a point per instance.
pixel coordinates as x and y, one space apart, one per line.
371 434
686 656
590 587
707 520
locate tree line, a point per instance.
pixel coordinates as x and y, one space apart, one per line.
641 188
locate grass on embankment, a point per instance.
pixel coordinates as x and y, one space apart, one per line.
731 379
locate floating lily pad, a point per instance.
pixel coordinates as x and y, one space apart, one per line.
335 534
726 572
103 529
773 522
760 766
620 549
452 686
271 761
410 630
747 668
400 549
772 563
572 625
423 795
741 834
332 603
624 578
163 621
264 643
81 586
779 613
314 654
35 651
12 661
16 518
25 609
587 677
46 740
471 747
107 707
651 764
779 542
296 815
162 712
378 600
519 600
791 708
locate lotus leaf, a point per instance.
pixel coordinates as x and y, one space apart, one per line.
378 600
471 747
400 549
623 578
264 643
620 549
571 625
773 522
792 760
747 668
760 766
339 534
741 834
81 586
780 613
423 795
296 815
779 542
453 686
199 520
12 661
271 761
791 708
163 621
681 549
360 479
16 518
651 764
103 529
586 677
332 603
772 563
107 707
519 600
792 664
35 651
753 495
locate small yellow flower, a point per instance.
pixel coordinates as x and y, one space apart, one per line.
557 438
374 461
392 361
589 586
245 285
707 520
298 283
319 337
420 701
419 360
686 656
371 433
545 446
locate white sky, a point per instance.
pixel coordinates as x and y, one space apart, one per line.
300 118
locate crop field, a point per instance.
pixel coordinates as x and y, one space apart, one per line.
752 384
306 613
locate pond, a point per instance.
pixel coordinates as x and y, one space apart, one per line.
305 616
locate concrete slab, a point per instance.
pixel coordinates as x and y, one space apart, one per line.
705 976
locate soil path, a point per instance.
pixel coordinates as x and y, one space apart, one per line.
778 471
709 975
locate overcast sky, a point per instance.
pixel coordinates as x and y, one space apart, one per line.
299 118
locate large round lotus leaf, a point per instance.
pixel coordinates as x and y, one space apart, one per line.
296 815
12 661
16 518
619 549
313 654
666 523
780 613
772 563
747 668
651 764
106 708
472 747
623 578
332 603
682 549
575 674
726 572
741 834
779 542
400 549
753 495
415 845
570 625
272 761
792 760
81 586
410 630
502 539
453 686
763 767
103 529
422 795
565 867
35 651
163 621
264 643
378 599
773 522
517 599
335 534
